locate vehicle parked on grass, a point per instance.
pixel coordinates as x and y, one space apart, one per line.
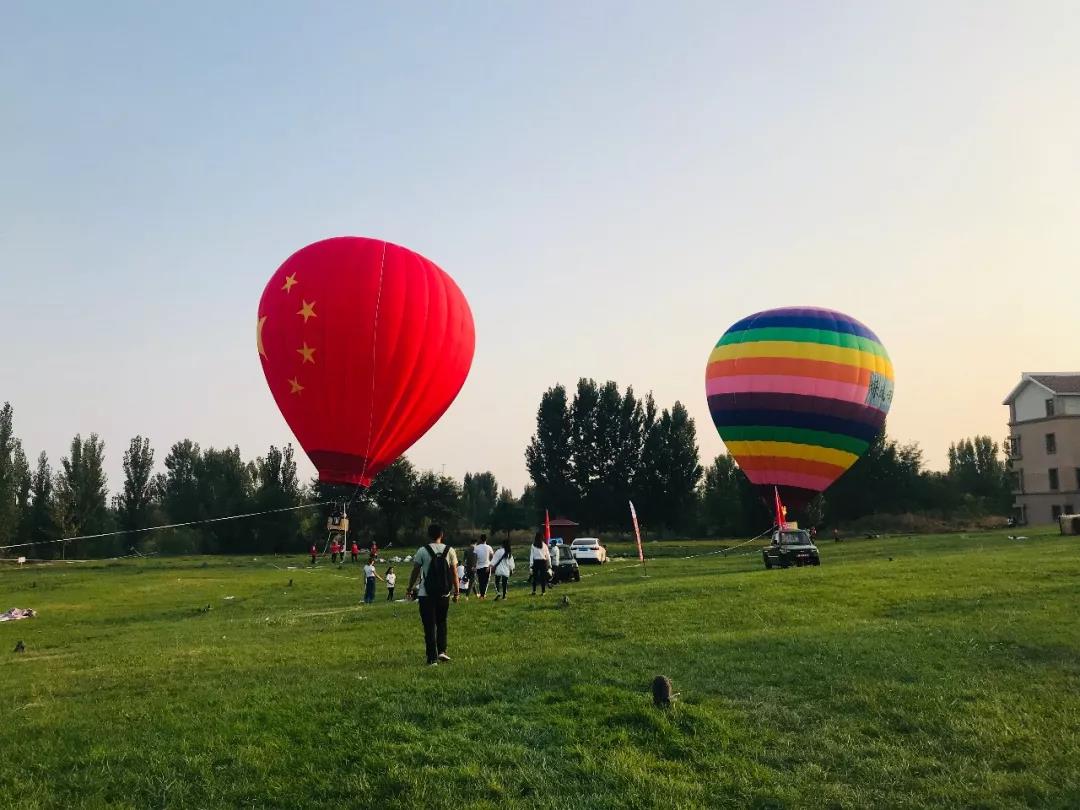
564 567
589 549
790 547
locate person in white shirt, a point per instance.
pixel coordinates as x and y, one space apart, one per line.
484 553
434 607
391 580
465 582
540 563
370 575
503 564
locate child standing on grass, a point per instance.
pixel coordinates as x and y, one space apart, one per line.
355 552
370 575
391 579
314 553
464 579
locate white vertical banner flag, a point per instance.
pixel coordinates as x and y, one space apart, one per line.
637 532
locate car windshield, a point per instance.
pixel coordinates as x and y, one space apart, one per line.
794 538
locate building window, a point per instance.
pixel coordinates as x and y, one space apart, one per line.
1014 449
1053 478
1078 477
1055 512
1051 444
1050 407
1016 480
1069 509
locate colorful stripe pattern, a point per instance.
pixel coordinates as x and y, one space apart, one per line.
797 395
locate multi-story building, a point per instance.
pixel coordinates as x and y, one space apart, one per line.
1043 449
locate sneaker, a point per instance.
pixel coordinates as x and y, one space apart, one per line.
432 663
444 657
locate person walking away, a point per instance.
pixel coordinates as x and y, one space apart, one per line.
470 568
374 551
435 569
314 553
355 551
484 553
370 575
391 580
539 562
503 565
333 551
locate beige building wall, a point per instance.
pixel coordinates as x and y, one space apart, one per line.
1033 464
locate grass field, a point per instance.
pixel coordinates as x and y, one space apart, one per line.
911 672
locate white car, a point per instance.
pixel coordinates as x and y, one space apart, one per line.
588 549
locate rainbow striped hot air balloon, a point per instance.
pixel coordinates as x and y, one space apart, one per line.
797 395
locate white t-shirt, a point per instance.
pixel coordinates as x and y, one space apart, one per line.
541 553
391 578
369 570
483 555
423 559
461 572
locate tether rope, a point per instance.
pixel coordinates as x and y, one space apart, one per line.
166 526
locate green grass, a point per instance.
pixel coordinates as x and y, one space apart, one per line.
946 676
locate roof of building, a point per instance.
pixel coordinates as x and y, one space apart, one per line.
1059 383
1064 383
561 521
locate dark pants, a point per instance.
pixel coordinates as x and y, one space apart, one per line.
433 610
369 590
539 576
390 594
470 574
313 559
483 575
355 556
500 585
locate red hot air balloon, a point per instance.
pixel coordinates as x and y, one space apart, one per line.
364 345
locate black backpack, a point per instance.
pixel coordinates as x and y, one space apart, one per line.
438 579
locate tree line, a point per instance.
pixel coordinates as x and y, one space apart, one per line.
591 453
41 505
594 452
890 479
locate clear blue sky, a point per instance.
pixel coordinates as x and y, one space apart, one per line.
612 184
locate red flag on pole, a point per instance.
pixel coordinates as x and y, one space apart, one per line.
547 526
637 532
780 511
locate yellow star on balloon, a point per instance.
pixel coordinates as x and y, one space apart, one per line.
307 311
296 386
258 335
289 282
307 353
